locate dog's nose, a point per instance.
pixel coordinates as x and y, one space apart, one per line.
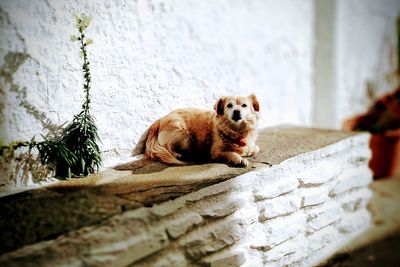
236 115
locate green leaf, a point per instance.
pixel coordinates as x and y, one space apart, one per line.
82 164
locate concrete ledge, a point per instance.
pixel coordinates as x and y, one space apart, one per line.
295 204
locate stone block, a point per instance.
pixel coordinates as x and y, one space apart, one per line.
288 247
319 174
275 187
359 156
354 222
168 258
354 200
318 246
183 223
150 244
273 232
313 196
213 237
351 178
322 238
133 248
166 208
232 258
300 246
290 259
280 206
320 217
219 206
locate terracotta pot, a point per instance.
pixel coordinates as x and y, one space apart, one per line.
385 161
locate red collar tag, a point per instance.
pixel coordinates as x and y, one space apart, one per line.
242 142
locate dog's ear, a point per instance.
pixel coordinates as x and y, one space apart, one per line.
219 106
254 100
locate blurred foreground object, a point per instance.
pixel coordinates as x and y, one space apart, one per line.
382 120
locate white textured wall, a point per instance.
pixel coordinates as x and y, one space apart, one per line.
150 57
365 52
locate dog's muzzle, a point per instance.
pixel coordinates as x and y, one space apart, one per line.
236 115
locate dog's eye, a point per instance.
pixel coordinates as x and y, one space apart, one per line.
229 105
244 105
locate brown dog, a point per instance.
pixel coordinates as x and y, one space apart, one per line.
226 134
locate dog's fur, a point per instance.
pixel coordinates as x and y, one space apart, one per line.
225 135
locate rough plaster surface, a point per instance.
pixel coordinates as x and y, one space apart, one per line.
150 57
231 221
355 57
365 53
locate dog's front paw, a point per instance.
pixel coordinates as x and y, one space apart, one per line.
242 163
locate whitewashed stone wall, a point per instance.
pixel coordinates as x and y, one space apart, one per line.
295 213
152 56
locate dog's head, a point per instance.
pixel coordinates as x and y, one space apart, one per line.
238 109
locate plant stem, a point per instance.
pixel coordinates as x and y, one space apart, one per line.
86 76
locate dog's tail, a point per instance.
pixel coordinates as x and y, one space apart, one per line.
132 165
141 145
156 151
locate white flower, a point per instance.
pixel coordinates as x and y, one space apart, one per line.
89 41
74 38
82 21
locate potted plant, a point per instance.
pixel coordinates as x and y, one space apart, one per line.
73 152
